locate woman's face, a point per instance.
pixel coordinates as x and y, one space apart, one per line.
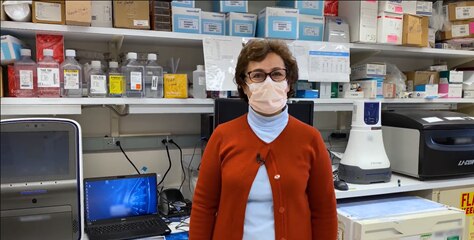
271 62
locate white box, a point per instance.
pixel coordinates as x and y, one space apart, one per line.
362 19
181 3
187 20
454 90
424 8
311 27
315 8
350 90
11 47
468 82
101 15
368 70
336 29
389 28
230 6
430 90
372 88
468 94
398 218
390 6
212 23
431 38
409 6
276 22
240 24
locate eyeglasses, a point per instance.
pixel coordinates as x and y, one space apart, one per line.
260 76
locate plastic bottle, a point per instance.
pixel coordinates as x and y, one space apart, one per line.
134 73
26 83
116 80
48 75
199 82
71 76
153 78
97 81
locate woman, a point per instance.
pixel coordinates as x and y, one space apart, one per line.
265 175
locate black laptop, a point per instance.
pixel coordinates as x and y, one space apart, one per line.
122 207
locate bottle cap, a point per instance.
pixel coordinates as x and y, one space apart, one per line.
48 52
96 64
113 64
25 52
200 67
70 53
132 55
152 56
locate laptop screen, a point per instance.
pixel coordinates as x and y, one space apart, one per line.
120 197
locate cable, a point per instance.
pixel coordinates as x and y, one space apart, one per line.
189 166
130 161
182 165
205 140
164 141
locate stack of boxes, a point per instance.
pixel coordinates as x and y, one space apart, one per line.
424 84
362 19
450 84
390 22
461 20
160 15
276 22
416 23
310 20
366 77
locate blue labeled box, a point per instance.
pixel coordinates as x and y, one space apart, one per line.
212 23
309 93
240 24
11 48
230 6
186 4
276 22
311 27
315 8
187 20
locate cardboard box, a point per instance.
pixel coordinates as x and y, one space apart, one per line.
187 20
230 6
212 23
185 4
11 47
450 90
175 85
389 28
101 14
131 14
461 10
278 23
160 15
311 27
422 77
362 19
240 24
48 11
415 30
369 70
315 8
336 29
78 13
459 29
390 6
372 87
451 76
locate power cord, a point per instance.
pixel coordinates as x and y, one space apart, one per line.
191 161
165 142
130 161
181 161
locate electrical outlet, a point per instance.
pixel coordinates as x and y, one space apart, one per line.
110 141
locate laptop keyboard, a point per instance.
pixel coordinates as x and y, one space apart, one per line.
127 227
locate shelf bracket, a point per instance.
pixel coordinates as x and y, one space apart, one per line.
467 62
360 57
115 46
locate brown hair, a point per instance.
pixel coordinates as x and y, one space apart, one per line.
257 50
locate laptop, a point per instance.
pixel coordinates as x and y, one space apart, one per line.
122 207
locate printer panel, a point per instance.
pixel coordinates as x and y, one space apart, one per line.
402 146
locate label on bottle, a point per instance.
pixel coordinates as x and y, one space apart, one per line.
136 81
154 83
71 79
48 77
202 80
98 84
26 79
116 84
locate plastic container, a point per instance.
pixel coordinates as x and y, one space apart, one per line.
48 75
199 82
97 80
153 78
134 72
116 80
71 76
19 11
25 83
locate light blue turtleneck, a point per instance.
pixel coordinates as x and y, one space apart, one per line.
259 220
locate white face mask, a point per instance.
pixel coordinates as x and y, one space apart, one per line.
268 97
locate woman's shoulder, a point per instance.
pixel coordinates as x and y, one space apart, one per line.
233 126
303 129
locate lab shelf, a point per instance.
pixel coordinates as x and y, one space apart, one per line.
400 183
67 106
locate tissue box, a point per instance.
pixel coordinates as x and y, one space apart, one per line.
389 28
362 18
240 24
78 13
175 85
101 15
314 8
368 70
132 14
11 47
278 23
311 27
187 20
230 6
48 11
430 90
185 4
450 90
212 23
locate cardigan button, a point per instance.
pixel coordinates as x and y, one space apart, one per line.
281 210
276 177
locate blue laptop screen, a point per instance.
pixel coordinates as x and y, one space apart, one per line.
120 197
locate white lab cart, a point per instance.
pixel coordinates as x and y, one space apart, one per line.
403 218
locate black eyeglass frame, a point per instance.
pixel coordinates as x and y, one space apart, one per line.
267 74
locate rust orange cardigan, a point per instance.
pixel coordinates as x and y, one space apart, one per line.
300 173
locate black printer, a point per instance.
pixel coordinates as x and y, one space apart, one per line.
429 144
